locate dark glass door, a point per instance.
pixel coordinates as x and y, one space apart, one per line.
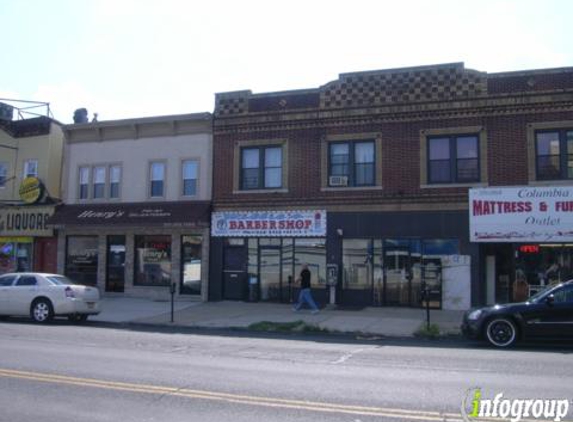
235 272
115 273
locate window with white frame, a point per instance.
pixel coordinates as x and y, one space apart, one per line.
157 179
3 174
189 175
99 182
114 181
84 176
30 168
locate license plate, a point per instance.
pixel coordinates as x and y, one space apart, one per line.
91 305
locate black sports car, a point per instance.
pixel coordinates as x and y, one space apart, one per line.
545 315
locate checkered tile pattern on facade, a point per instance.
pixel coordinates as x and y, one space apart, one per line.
230 106
403 86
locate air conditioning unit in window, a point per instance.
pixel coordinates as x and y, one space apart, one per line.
338 181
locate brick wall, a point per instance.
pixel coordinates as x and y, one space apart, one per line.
504 111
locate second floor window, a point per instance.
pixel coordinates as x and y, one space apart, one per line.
554 155
30 168
3 174
84 182
453 159
189 170
99 182
114 181
261 167
157 179
352 163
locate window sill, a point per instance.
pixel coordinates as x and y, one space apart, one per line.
258 191
556 182
350 188
454 185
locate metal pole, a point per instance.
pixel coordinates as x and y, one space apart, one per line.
172 301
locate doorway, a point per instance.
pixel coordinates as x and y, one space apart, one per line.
235 270
270 273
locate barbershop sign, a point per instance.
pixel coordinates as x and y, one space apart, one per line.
269 223
521 214
25 221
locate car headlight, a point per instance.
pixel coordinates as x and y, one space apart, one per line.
474 315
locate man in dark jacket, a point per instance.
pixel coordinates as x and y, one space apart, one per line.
305 294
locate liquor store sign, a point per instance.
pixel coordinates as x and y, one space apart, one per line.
269 223
25 221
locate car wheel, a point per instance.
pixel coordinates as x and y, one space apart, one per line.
501 332
78 318
42 310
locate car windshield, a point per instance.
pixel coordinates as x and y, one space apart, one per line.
60 280
540 294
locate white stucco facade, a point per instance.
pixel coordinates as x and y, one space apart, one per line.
154 242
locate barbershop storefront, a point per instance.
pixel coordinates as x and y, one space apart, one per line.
26 242
136 249
371 258
525 236
257 255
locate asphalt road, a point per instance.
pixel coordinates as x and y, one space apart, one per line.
63 372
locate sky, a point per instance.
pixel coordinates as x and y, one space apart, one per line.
139 58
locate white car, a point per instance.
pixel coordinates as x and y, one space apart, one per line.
43 296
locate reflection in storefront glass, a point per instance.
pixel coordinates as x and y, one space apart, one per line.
82 259
313 252
152 260
15 254
357 256
191 260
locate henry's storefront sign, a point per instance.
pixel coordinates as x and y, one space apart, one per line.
269 223
521 214
25 221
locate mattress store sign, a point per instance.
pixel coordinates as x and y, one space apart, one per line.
521 214
269 223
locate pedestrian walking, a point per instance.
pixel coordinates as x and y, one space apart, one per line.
305 294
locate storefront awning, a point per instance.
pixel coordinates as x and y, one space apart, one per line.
160 214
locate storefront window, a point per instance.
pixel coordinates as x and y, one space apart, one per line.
191 260
15 254
82 259
152 260
538 265
357 256
312 252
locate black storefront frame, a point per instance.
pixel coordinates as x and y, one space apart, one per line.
377 224
251 288
423 225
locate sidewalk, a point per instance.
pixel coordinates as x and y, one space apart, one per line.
383 321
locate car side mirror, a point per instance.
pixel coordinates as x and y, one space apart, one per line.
549 300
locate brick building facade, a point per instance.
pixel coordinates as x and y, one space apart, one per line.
387 159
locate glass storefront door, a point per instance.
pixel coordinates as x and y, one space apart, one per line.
115 274
270 273
191 262
397 266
